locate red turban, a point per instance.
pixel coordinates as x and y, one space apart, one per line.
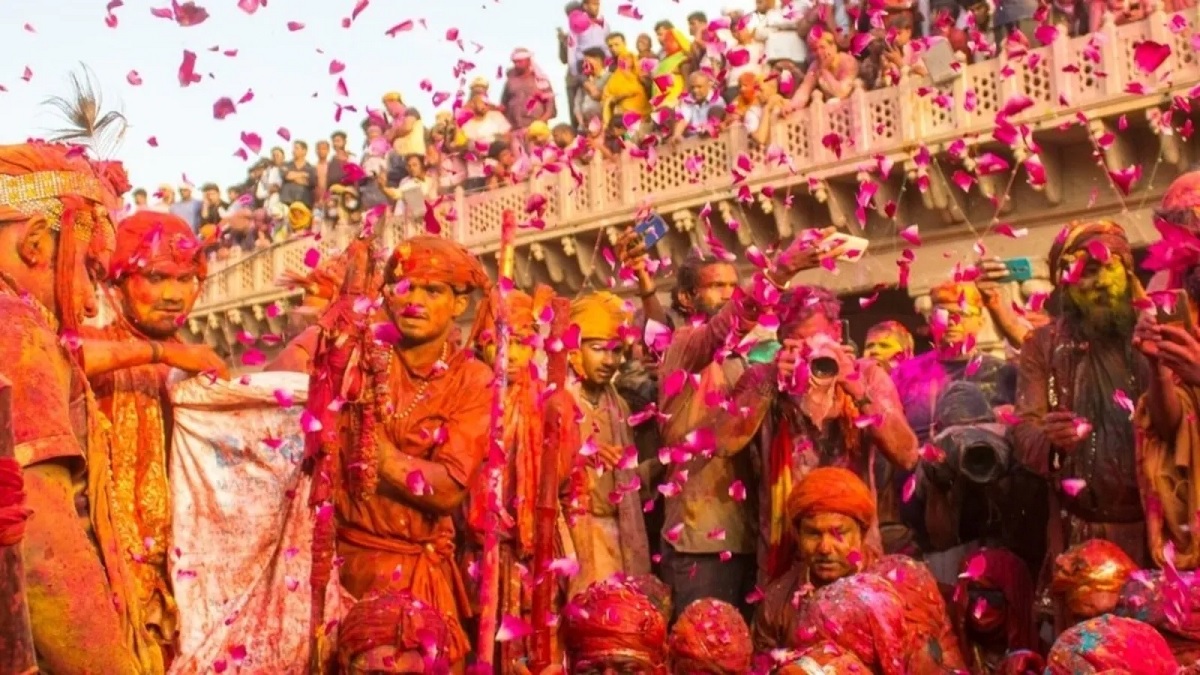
1111 643
393 619
13 513
612 619
711 635
832 490
1182 200
1002 570
148 239
925 616
1094 565
862 614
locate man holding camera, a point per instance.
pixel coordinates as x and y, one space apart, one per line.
814 406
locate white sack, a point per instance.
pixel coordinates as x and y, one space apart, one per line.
243 532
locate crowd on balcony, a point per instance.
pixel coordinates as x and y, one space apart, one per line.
747 67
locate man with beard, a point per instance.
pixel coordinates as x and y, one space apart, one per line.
155 276
831 511
810 408
706 519
1077 378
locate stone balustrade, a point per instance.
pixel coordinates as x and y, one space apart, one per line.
1087 78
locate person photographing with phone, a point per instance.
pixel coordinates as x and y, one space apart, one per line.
807 409
1166 416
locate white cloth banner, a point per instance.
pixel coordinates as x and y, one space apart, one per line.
242 529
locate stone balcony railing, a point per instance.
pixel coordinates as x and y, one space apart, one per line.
1092 77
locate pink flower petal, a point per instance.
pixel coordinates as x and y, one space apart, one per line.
1148 55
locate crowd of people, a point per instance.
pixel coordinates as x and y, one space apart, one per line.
724 483
751 68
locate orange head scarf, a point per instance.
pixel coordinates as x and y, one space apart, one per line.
440 260
600 316
56 182
1111 643
713 635
1094 565
832 490
393 619
161 240
612 619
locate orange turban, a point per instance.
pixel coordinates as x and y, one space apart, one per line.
713 635
831 490
600 316
437 259
826 657
612 619
953 293
393 619
148 239
657 592
1094 565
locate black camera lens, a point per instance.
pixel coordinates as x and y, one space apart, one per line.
824 366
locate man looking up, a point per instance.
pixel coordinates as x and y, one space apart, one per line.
1074 375
429 404
155 276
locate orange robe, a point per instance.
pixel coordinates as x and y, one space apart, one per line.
134 400
388 544
77 581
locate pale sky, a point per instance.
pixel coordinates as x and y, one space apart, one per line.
288 71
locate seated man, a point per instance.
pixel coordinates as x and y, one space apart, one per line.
392 633
994 599
863 615
710 637
1088 579
830 510
1169 602
611 627
935 647
1111 644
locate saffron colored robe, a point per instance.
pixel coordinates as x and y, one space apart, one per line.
388 544
78 584
134 400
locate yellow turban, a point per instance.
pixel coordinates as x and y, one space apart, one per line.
599 316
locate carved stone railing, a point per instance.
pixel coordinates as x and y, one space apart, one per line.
1093 76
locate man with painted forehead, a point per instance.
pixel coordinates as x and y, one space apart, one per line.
425 418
